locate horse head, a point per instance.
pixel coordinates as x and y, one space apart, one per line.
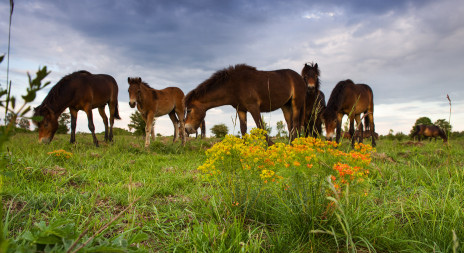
329 118
310 74
195 114
48 125
134 90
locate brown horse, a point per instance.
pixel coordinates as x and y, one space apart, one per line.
249 90
429 131
78 91
153 103
315 100
350 99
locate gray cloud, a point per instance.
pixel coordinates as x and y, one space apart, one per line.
406 50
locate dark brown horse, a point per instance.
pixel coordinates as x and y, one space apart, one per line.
429 131
315 100
153 103
249 90
350 99
78 91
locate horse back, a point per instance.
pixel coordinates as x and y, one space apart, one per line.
97 90
272 89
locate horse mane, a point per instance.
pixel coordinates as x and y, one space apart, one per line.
336 97
55 93
216 80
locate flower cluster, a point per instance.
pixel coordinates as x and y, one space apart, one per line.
60 153
251 158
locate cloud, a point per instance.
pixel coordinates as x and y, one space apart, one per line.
405 50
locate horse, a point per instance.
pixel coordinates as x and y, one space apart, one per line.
429 131
350 99
80 90
315 100
153 103
249 90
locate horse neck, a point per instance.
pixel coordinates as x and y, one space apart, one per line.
56 105
214 99
147 93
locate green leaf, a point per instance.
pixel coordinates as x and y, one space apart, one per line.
29 97
138 238
25 111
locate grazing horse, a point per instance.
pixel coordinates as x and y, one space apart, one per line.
78 91
202 129
350 99
315 100
429 131
153 103
249 90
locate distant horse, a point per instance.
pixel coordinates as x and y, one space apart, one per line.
350 99
249 90
78 91
429 131
153 103
315 100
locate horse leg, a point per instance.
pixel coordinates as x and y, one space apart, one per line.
112 108
288 114
203 129
352 131
338 129
73 113
372 127
148 128
180 117
242 117
101 110
88 111
153 130
359 127
175 122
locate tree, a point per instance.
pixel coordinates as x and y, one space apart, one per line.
281 129
266 126
63 121
220 130
137 123
445 125
420 121
24 124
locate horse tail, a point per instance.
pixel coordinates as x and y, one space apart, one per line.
116 111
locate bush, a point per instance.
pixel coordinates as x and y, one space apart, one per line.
220 130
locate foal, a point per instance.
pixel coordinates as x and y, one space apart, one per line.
153 103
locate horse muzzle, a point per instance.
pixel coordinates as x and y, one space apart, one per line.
189 129
132 104
45 140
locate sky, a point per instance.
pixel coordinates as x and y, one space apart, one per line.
409 52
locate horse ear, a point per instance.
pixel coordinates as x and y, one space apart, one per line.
315 65
128 79
306 64
139 79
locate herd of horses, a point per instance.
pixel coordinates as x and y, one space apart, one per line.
242 86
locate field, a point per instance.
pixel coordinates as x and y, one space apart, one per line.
121 197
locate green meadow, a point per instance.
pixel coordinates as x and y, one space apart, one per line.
121 197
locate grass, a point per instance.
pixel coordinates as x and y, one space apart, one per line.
415 201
